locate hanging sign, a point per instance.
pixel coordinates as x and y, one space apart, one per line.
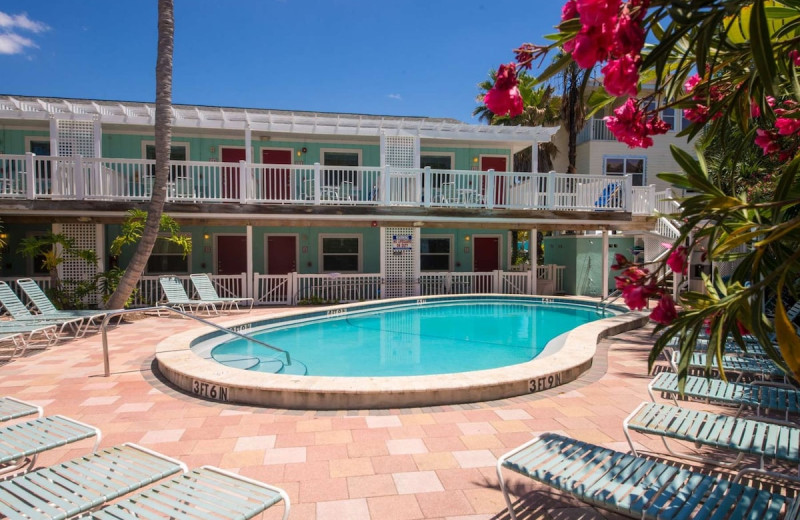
401 243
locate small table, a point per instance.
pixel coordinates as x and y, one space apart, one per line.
467 195
328 193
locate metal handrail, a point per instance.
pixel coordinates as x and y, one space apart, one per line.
119 312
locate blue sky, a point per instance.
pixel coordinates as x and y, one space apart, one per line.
392 57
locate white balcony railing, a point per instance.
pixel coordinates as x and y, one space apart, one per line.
77 178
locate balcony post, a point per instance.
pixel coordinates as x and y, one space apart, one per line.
551 190
242 182
30 176
533 254
78 178
385 184
628 193
317 180
426 181
490 177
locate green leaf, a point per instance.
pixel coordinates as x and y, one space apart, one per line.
761 47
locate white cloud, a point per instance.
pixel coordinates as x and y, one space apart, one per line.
10 24
395 96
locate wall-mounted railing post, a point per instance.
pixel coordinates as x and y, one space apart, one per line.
78 178
30 176
490 185
243 184
551 190
426 182
317 180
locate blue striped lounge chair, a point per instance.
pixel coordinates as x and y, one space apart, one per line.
753 366
46 308
206 291
21 316
176 297
638 487
11 408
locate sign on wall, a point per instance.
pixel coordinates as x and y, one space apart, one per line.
401 243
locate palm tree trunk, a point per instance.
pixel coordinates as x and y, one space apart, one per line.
163 138
572 120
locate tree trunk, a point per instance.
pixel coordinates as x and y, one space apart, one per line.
163 138
572 123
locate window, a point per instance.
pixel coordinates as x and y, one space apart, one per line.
668 116
436 162
337 166
435 253
340 253
167 258
633 166
178 152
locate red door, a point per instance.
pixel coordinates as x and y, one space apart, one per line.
486 254
230 174
497 164
231 254
276 183
281 254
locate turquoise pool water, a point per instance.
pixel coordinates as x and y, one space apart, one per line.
434 338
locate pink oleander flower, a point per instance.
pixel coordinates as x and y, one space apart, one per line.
657 126
504 97
525 54
767 140
597 12
794 55
787 125
628 34
620 262
569 11
698 114
678 260
755 110
621 76
770 101
636 295
665 312
590 46
691 83
628 125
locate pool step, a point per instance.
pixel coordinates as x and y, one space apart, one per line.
237 361
296 368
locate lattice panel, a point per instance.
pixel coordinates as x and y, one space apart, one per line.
399 261
400 151
653 246
76 138
73 268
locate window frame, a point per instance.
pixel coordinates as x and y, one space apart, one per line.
321 251
335 180
188 271
625 159
450 254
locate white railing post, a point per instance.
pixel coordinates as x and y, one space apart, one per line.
317 185
628 193
291 288
427 183
385 184
531 278
551 190
651 199
489 201
496 281
254 288
242 182
448 282
78 178
30 176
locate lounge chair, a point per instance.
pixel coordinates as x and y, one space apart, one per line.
758 367
21 443
206 291
609 197
177 297
19 312
47 310
77 486
635 486
762 397
744 436
29 335
207 492
11 409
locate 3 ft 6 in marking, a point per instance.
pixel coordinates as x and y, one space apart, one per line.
209 390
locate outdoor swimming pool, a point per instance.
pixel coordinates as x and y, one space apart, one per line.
409 339
394 353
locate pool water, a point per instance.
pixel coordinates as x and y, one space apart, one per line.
434 338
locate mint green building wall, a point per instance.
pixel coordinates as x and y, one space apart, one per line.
464 156
13 141
582 256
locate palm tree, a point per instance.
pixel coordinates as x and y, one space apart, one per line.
163 138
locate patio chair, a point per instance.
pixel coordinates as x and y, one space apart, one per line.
609 197
448 193
207 492
308 190
757 367
346 191
84 483
635 486
763 398
11 409
177 297
47 310
779 442
21 316
30 335
206 291
21 443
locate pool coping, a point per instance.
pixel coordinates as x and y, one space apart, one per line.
211 380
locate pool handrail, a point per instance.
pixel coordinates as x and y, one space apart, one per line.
118 312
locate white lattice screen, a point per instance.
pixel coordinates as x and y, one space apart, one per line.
73 268
76 138
653 246
726 269
400 261
400 151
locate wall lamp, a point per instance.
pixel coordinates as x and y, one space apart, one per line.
206 236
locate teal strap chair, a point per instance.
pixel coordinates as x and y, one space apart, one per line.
207 492
206 291
47 310
85 483
176 297
753 366
21 443
22 316
11 409
766 440
635 486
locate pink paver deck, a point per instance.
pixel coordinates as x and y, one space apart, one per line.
418 463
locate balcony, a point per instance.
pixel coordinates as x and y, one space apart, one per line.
595 130
31 177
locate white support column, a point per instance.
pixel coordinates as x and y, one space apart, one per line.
383 149
533 256
416 152
248 145
53 136
535 158
98 139
383 257
249 253
416 264
604 288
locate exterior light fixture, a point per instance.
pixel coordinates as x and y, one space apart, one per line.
466 238
206 236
